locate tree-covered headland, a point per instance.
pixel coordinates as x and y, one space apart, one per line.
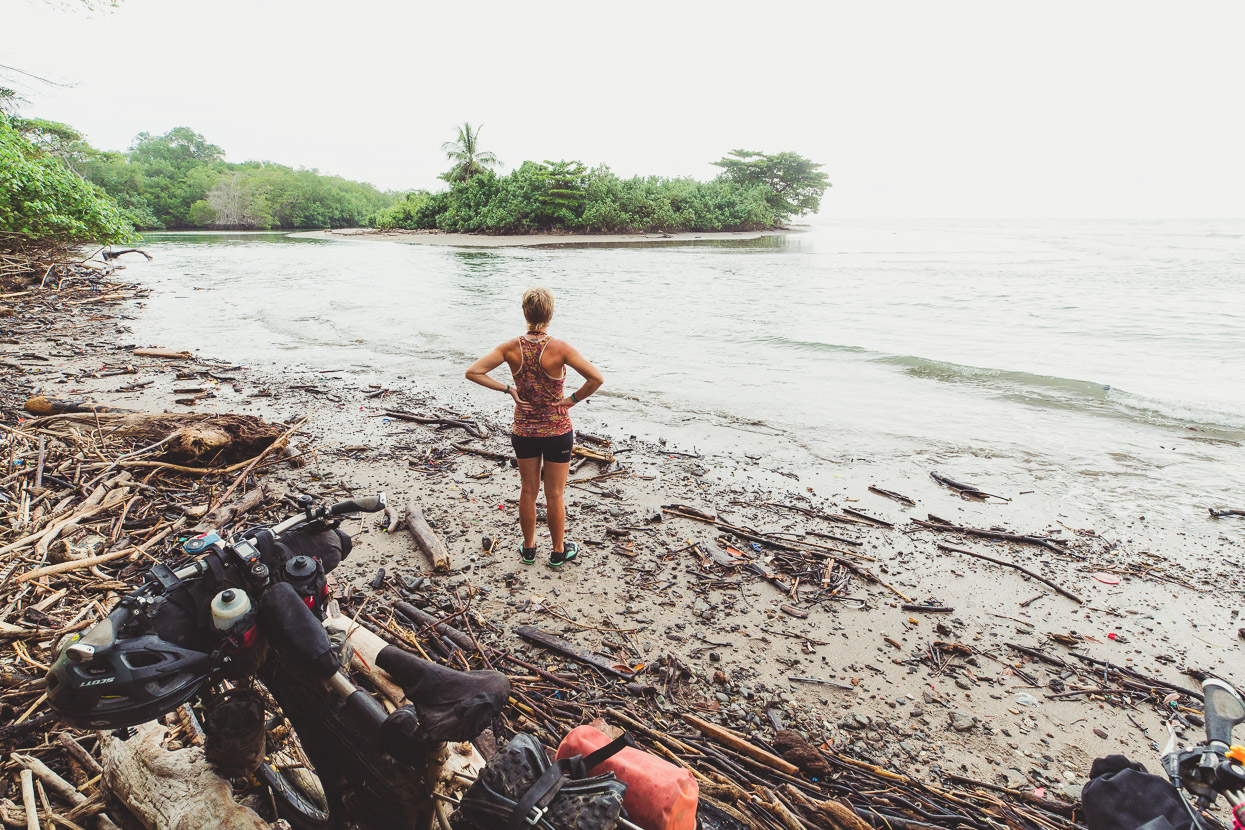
754 191
56 189
57 192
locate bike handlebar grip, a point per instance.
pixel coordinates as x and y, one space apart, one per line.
1224 710
295 630
365 716
367 504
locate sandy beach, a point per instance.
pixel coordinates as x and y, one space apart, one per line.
927 693
474 240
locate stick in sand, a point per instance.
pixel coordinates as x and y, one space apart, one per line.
737 743
1024 571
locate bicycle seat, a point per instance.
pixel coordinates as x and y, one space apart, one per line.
452 705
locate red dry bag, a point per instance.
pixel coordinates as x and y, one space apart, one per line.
660 795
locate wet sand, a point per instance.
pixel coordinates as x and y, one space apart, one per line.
990 717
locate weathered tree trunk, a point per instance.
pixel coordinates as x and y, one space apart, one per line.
364 647
447 764
171 790
428 541
41 405
198 439
226 513
169 353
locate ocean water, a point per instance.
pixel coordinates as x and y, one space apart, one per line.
1103 359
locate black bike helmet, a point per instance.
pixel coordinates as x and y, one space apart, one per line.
105 681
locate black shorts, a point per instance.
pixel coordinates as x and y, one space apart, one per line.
555 450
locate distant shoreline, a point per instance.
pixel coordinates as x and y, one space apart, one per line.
471 240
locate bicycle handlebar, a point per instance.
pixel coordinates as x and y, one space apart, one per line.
367 504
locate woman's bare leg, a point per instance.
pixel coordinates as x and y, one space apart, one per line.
529 476
555 507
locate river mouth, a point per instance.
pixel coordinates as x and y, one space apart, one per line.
1102 363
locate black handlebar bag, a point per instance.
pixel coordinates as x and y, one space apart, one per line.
1121 795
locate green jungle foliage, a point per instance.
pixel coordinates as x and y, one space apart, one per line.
179 180
754 192
44 201
794 185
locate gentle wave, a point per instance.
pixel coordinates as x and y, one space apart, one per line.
1073 393
1044 390
809 345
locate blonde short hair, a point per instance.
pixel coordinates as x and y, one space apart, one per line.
538 305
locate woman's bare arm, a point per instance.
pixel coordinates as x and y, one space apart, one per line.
478 372
593 379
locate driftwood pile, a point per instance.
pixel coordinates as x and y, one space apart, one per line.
90 500
25 263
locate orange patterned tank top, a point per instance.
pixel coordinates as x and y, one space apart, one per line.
541 391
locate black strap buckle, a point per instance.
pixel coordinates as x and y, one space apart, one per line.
606 752
532 807
164 575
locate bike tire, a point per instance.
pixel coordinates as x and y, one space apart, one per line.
289 775
365 787
292 803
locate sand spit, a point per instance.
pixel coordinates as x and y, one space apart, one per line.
472 240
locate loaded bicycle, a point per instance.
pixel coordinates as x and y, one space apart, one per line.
247 633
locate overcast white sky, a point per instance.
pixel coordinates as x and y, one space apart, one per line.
915 108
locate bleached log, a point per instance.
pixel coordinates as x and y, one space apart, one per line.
43 405
449 764
176 790
226 513
168 353
365 646
426 539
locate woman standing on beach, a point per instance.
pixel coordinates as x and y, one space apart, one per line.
542 422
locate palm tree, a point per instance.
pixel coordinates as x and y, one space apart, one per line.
467 158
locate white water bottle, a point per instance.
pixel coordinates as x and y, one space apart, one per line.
228 607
